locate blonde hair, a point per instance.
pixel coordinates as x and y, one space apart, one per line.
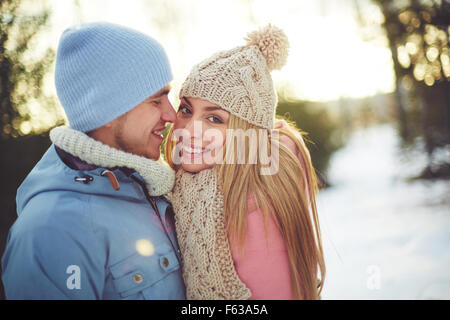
294 213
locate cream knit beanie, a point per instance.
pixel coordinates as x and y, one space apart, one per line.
239 80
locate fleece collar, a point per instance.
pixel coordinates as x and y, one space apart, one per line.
159 177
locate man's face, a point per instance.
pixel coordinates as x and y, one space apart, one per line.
139 131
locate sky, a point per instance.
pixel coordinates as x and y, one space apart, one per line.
328 59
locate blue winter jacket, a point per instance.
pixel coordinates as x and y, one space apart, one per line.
86 240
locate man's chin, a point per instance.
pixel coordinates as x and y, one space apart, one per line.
148 155
154 157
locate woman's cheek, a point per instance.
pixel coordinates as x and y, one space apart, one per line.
214 138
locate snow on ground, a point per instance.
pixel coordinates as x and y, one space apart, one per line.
384 238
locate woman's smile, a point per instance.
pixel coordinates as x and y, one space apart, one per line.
189 152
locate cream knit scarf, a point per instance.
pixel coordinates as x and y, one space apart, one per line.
159 177
208 270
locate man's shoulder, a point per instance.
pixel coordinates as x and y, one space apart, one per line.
53 211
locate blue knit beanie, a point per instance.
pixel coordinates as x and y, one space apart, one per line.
104 70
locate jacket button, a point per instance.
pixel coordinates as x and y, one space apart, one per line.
138 278
165 262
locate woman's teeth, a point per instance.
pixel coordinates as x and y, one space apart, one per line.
195 151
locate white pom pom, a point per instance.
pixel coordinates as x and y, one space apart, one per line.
273 44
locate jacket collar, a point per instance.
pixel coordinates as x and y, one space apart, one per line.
73 162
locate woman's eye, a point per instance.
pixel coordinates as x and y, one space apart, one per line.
215 119
155 102
184 109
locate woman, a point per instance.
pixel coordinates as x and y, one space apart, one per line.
243 232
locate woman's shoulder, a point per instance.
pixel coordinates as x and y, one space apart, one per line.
288 142
291 145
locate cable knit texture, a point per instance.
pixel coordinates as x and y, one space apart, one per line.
208 267
239 80
158 176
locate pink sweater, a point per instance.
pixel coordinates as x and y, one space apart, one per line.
263 264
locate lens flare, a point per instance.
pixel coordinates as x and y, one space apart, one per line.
144 247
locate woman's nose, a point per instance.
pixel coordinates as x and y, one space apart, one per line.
194 128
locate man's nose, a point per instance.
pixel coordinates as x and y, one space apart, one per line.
169 114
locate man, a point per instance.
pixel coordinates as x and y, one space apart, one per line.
93 221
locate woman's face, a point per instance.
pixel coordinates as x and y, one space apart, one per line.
200 128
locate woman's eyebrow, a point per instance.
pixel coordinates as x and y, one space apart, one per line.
187 101
209 108
212 108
